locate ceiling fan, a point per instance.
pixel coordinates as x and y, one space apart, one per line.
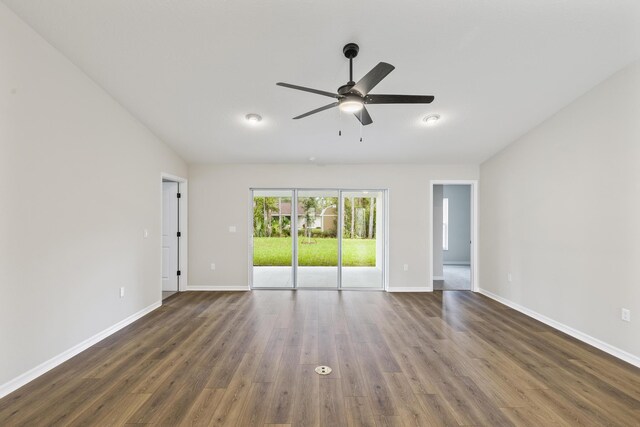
352 97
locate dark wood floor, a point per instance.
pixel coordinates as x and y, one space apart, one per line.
453 358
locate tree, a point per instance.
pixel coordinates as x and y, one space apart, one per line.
270 206
263 208
258 217
346 219
265 218
371 213
280 216
309 206
353 217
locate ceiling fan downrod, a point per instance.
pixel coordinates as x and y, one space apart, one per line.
350 51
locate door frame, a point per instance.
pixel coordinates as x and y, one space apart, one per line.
294 220
475 283
183 222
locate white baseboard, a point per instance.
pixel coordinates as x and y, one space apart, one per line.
44 367
601 345
410 289
438 277
456 263
218 288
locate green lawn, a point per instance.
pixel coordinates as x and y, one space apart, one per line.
270 251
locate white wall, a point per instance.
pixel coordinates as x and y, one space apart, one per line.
459 248
560 210
438 271
79 181
219 197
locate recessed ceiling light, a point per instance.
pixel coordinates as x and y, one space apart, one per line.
253 118
431 119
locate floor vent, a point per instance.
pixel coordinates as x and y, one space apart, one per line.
323 370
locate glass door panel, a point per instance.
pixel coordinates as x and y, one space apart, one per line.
317 248
362 239
272 239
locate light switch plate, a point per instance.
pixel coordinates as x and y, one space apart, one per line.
232 229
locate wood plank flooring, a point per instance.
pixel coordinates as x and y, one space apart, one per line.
248 359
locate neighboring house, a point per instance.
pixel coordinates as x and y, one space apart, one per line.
326 220
284 210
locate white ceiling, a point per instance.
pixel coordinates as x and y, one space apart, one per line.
191 70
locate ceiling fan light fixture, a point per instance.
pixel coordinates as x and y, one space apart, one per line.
431 119
351 104
253 118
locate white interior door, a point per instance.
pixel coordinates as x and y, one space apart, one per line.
169 236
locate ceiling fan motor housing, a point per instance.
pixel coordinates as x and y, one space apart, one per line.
351 50
343 90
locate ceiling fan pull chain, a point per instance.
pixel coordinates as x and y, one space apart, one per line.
361 126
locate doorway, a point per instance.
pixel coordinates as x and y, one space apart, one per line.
317 239
172 235
453 242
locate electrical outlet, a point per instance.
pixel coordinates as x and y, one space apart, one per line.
122 292
406 267
145 233
510 277
213 266
626 315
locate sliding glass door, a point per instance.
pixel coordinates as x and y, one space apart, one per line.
272 239
362 239
318 239
317 252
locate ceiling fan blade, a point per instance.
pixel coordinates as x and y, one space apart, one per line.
363 116
307 89
317 110
373 77
398 99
